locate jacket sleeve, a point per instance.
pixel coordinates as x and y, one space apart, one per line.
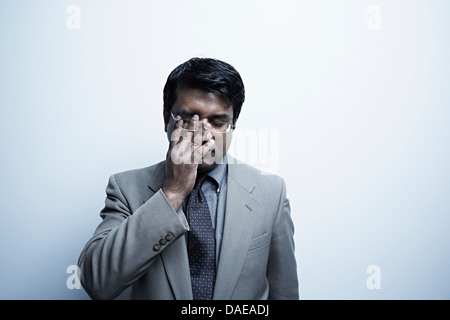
125 244
282 266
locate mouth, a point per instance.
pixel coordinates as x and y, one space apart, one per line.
212 151
204 142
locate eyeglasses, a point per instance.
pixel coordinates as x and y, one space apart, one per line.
216 126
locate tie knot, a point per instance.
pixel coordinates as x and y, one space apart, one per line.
199 181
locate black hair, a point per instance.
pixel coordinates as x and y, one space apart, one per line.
209 75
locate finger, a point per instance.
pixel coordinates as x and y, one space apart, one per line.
198 135
202 150
178 122
185 133
207 146
186 136
207 135
201 137
197 155
176 133
193 124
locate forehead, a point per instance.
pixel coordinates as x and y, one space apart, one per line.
191 101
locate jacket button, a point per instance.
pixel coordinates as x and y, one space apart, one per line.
169 237
156 247
162 241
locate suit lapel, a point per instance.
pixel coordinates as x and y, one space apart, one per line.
240 218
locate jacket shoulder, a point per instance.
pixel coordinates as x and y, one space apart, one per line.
249 177
140 176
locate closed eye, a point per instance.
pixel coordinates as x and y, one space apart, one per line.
219 124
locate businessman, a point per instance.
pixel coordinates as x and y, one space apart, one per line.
199 225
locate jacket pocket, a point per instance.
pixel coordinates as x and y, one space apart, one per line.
259 242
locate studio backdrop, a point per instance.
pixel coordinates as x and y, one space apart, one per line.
347 100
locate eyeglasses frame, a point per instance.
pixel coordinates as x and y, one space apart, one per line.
230 126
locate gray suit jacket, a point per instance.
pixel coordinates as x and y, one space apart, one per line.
257 255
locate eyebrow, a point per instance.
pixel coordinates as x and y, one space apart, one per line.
214 116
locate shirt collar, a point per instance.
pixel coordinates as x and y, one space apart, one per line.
219 171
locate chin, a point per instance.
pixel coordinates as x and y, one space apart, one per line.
210 161
206 167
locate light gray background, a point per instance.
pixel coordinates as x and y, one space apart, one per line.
360 118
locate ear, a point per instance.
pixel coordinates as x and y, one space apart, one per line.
166 116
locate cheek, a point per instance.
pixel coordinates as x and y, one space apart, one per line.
228 137
224 140
169 130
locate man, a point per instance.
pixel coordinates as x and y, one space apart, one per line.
197 225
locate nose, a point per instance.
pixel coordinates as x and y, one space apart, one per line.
205 124
202 123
